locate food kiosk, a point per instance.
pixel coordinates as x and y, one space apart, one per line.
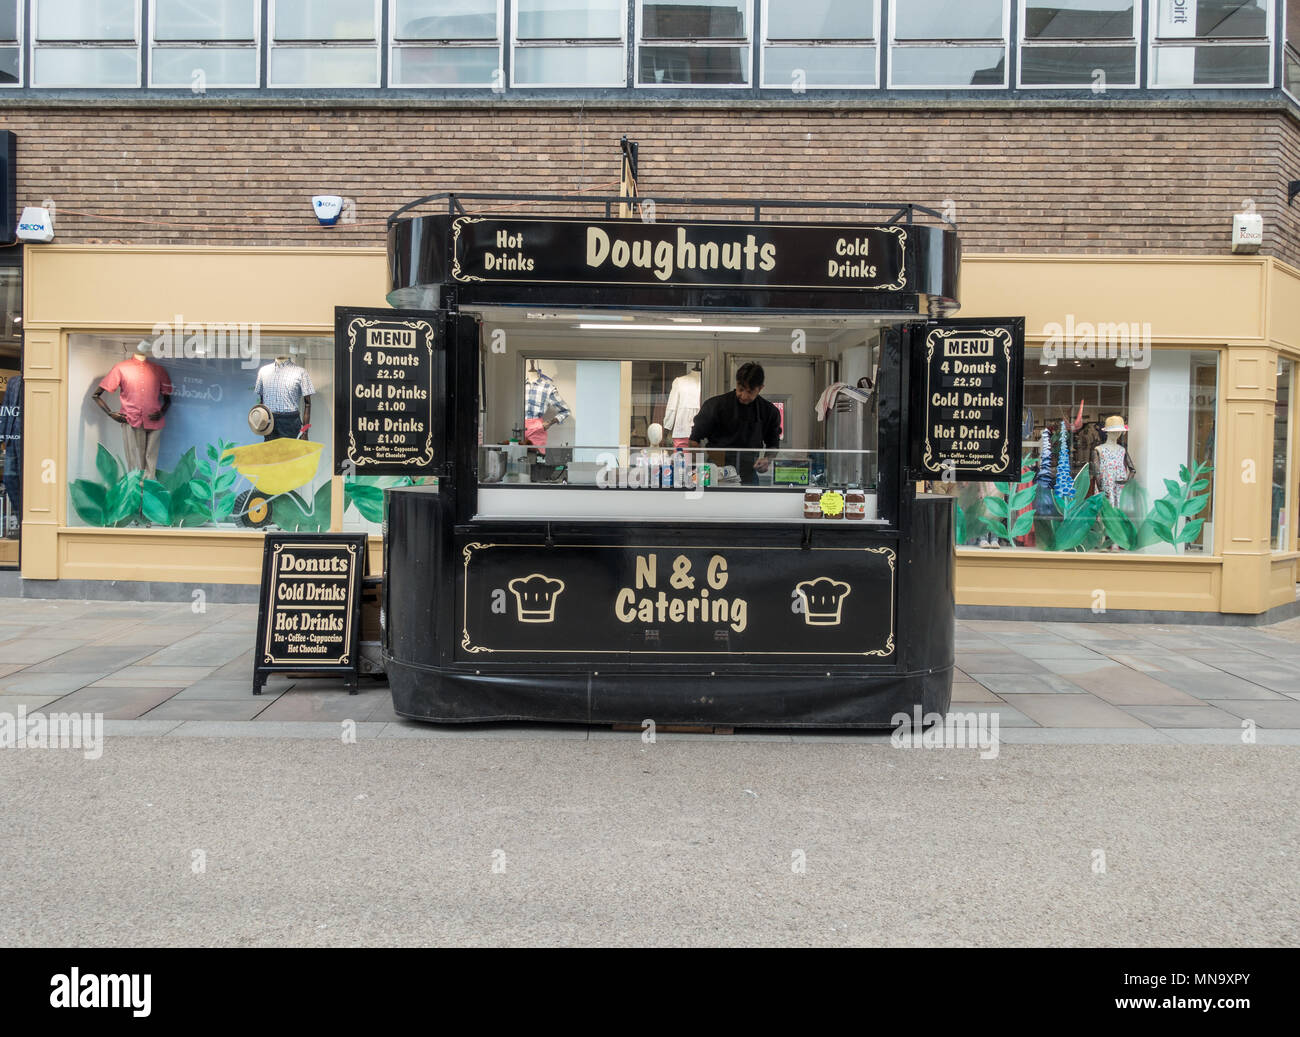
571 564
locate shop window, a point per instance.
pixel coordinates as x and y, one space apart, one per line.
1211 43
811 44
1291 51
948 43
11 46
1119 448
11 402
333 43
202 45
1284 490
199 463
581 415
562 43
1079 43
693 42
86 43
435 43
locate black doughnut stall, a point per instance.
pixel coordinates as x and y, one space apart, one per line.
563 581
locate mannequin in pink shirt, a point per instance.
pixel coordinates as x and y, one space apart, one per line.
144 394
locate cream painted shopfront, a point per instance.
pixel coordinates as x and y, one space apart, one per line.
1197 357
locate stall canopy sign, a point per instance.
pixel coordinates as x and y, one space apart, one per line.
730 255
388 368
967 379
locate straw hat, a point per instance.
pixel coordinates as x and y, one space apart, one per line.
1114 424
260 420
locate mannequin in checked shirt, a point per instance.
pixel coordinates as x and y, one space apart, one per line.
541 395
281 386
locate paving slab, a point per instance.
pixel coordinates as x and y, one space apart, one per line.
29 703
29 650
999 662
1218 686
306 706
970 691
270 729
116 703
97 659
25 682
207 709
1224 736
1073 711
235 690
1084 736
564 732
138 728
146 676
1067 667
1123 687
1028 683
1200 716
1283 713
199 651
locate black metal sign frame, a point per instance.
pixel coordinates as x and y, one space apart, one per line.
966 397
389 377
310 605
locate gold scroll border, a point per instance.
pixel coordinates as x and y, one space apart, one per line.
267 657
355 325
468 644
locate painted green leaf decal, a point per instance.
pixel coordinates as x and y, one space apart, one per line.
157 503
1190 531
89 501
212 452
201 490
1195 506
107 466
1023 524
996 506
1174 489
1165 511
1022 498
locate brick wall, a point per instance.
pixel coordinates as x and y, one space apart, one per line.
1151 180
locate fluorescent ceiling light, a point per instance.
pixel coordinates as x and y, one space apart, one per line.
740 328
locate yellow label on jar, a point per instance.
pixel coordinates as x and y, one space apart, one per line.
832 502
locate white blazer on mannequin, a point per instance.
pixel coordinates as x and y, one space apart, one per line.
683 405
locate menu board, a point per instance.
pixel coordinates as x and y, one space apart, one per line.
387 378
968 384
309 610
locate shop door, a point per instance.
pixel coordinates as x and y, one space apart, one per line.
789 385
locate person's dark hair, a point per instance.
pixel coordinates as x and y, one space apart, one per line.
750 376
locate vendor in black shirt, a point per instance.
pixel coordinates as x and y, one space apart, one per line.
740 419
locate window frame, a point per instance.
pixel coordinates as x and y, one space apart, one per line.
1153 45
971 44
765 42
272 45
394 45
210 44
36 45
748 46
1023 43
20 27
594 41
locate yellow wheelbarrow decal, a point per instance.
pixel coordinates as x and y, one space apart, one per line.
277 465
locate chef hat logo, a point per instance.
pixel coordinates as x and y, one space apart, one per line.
822 600
535 597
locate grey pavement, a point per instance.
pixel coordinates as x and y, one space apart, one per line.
1144 792
574 840
146 663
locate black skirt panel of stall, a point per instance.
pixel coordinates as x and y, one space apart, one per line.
799 626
